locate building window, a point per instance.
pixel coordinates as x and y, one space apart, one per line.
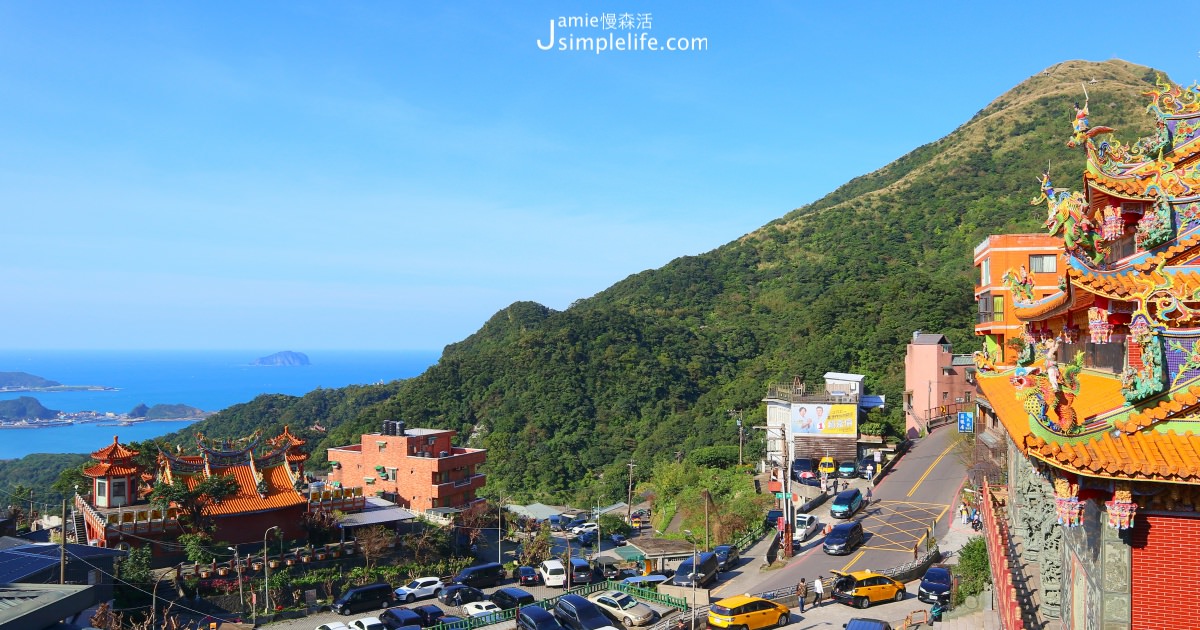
985 275
997 308
102 489
1043 263
392 473
945 396
118 489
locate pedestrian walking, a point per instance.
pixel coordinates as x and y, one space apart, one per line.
962 511
818 590
868 494
915 552
801 593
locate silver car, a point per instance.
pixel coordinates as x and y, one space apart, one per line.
623 608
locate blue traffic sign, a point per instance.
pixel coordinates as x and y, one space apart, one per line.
966 422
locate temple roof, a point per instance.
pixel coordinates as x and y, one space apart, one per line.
248 463
287 437
108 469
1143 454
116 450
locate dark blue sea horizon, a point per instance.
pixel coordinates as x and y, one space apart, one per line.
209 380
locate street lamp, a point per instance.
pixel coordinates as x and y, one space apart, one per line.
238 562
695 576
267 573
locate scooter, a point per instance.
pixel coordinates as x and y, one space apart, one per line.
939 608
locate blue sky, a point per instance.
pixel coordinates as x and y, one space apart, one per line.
387 175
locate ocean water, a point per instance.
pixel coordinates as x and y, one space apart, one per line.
209 380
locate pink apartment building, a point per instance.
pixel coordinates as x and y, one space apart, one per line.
937 383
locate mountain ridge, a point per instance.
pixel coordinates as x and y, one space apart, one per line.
650 367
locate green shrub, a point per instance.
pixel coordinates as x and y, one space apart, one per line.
973 569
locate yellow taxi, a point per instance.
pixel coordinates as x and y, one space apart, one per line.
827 467
863 588
743 612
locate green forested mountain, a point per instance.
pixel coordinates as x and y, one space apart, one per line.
651 366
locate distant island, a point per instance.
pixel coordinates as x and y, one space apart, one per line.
24 382
25 408
165 412
285 358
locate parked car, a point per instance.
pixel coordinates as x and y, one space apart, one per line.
587 539
623 608
528 576
577 613
936 582
481 575
510 597
580 572
333 625
367 623
859 623
864 464
537 618
557 522
847 470
846 503
481 609
748 613
843 539
804 468
419 588
400 617
574 523
619 540
584 527
430 615
701 573
806 525
727 556
553 573
459 594
863 588
771 520
361 598
607 567
827 467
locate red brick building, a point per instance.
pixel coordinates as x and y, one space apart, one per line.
419 466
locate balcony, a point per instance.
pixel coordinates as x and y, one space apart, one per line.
455 459
474 482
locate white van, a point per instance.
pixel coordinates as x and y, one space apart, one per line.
553 573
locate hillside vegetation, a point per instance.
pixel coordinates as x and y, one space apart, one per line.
650 367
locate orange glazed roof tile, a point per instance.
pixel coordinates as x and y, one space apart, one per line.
107 469
114 451
1143 455
280 493
288 438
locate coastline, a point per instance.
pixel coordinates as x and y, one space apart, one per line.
59 388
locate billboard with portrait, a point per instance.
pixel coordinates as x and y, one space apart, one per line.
824 419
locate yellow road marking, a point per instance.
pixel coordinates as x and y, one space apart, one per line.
914 504
931 467
896 549
718 589
855 559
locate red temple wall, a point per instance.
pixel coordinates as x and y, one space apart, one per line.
1166 571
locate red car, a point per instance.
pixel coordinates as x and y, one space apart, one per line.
528 576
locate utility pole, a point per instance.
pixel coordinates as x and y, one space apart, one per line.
29 518
62 559
737 413
629 496
707 500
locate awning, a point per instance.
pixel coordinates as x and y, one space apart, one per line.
629 554
377 511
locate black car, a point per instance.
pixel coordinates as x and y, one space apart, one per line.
587 539
772 519
396 618
803 468
459 594
727 556
843 538
619 540
935 583
528 576
577 613
509 597
430 615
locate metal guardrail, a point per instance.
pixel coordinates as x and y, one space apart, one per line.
748 539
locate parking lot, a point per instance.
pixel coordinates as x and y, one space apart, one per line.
539 592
